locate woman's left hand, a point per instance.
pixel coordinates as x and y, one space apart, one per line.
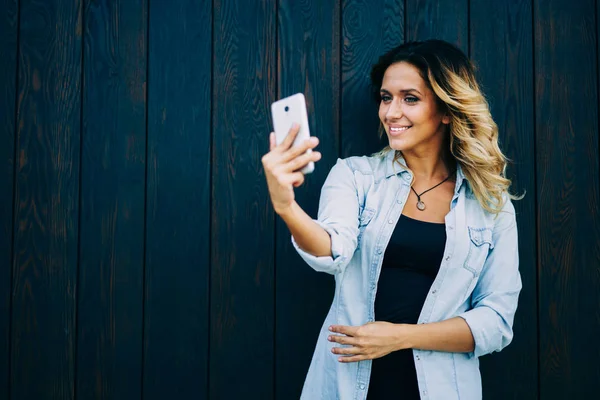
367 342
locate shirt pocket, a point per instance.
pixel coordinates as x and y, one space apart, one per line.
365 218
480 244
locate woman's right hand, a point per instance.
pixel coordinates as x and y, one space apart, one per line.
282 166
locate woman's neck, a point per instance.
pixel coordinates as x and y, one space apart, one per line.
427 167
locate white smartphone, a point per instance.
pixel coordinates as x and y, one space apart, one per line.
285 113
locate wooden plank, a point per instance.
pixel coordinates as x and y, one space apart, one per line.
367 33
506 76
242 260
438 19
177 250
109 324
568 196
309 60
46 200
8 76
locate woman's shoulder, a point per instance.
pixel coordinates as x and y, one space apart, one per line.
497 221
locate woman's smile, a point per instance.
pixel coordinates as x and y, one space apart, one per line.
396 130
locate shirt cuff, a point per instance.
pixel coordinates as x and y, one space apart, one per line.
481 322
329 264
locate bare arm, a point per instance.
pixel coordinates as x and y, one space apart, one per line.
377 339
309 236
327 243
452 335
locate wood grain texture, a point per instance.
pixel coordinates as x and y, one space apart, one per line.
568 198
109 323
224 291
367 33
308 62
46 197
8 76
438 19
242 238
176 329
506 76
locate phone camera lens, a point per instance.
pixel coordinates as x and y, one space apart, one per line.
287 108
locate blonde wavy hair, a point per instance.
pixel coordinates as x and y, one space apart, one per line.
473 134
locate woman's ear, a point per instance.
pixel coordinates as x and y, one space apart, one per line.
446 119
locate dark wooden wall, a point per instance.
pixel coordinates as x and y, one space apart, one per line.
139 253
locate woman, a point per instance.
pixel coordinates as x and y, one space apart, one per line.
421 238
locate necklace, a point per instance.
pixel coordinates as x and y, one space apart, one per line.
420 204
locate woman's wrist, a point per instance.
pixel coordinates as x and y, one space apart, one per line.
285 210
404 336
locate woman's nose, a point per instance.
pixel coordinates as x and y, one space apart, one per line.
394 111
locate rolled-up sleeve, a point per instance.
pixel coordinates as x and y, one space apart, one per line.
495 297
338 216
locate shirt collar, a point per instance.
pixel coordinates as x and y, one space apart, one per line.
392 168
460 178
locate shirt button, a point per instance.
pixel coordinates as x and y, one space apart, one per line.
399 201
390 221
434 291
362 387
450 227
447 258
425 392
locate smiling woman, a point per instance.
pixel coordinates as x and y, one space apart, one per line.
421 237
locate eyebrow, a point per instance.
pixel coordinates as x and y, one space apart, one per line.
401 91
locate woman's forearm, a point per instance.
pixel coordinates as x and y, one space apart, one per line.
309 236
451 335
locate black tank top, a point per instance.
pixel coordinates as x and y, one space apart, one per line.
411 262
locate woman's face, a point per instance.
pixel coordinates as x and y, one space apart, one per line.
408 111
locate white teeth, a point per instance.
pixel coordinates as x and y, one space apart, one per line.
399 129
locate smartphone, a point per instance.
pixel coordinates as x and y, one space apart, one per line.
285 113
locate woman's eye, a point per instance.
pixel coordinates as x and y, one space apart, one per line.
411 99
385 98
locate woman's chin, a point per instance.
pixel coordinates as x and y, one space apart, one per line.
399 144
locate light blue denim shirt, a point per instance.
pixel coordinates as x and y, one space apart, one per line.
361 202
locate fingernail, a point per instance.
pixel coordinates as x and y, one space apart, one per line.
314 140
331 328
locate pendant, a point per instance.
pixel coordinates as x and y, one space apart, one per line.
421 205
